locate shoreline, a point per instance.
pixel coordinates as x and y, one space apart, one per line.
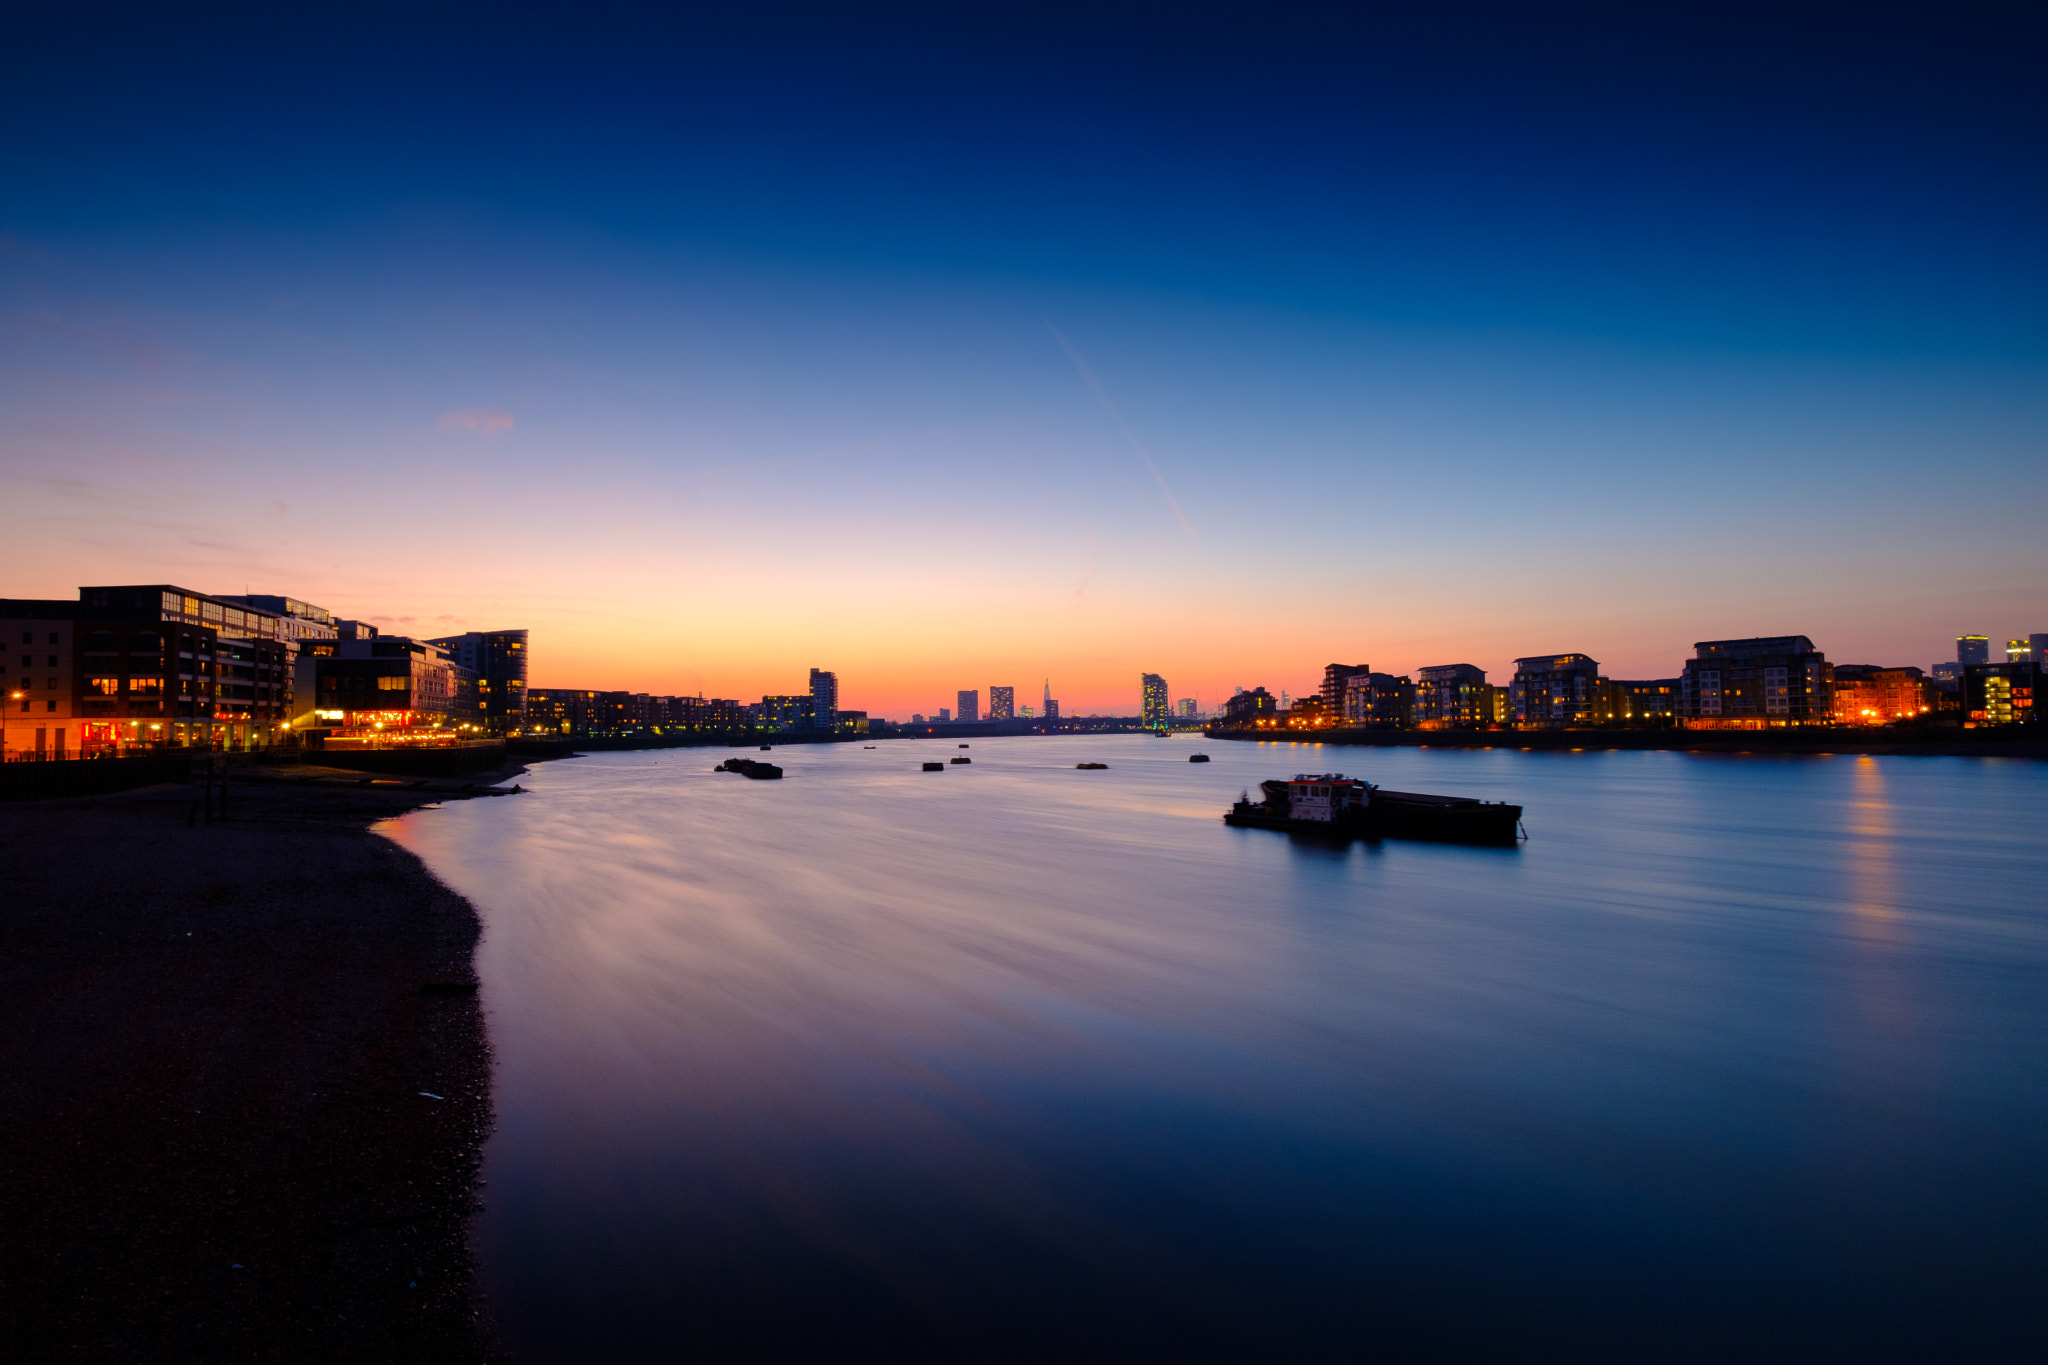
1928 744
214 1041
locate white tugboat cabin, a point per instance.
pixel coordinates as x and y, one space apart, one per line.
1323 796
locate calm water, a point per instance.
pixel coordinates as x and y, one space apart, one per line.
1735 1057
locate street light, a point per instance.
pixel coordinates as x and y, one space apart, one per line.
12 697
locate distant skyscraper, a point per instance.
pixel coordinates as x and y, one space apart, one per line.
1052 709
1047 699
970 704
1152 706
2038 643
944 715
1973 649
1186 707
824 699
2020 652
1002 703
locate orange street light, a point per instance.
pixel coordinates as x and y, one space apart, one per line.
12 697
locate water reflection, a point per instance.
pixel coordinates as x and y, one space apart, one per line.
1872 874
1016 1061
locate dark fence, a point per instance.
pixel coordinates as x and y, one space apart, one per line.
87 777
449 762
539 748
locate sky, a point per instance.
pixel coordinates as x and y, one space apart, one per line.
958 346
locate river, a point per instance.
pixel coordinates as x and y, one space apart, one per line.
1735 1056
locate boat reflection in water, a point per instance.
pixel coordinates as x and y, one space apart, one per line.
1336 806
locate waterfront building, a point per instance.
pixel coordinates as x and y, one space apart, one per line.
1973 649
1307 714
824 698
499 658
150 666
853 722
557 711
1392 706
1640 702
945 715
1152 708
1552 691
1866 694
1452 697
1002 703
1186 709
1336 677
2001 694
374 691
1052 709
1255 709
968 704
1756 683
296 620
38 670
786 713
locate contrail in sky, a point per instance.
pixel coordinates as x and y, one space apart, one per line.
1095 387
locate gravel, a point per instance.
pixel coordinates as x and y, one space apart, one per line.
244 1082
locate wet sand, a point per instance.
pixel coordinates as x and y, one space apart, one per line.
214 1040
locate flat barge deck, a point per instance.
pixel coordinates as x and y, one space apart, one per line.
1331 806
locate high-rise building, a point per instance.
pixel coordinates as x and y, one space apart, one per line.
1335 676
1052 709
1554 690
1451 697
824 698
499 660
1185 708
1152 708
969 707
1973 649
1379 700
944 715
1002 703
1751 684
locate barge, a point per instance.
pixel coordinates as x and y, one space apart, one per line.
1332 805
748 767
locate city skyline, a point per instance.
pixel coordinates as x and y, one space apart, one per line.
1609 378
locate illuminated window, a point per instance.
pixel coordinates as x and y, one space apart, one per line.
102 687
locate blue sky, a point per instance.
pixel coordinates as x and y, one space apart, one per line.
716 347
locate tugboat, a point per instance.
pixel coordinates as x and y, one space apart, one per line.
963 759
1097 766
1340 807
1198 758
748 767
935 767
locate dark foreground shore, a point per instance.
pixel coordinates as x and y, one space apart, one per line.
214 1040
